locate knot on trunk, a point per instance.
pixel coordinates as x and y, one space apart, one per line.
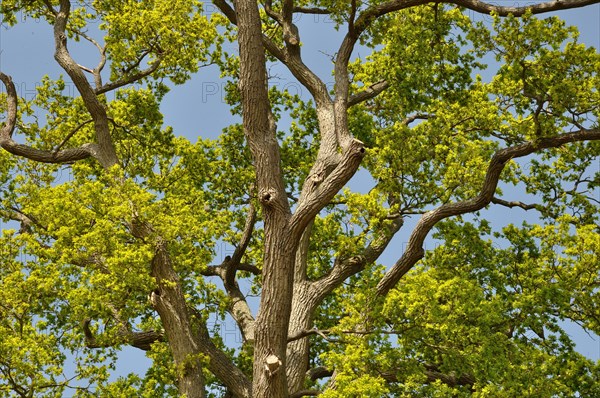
268 197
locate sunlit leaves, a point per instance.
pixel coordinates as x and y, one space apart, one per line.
176 34
480 316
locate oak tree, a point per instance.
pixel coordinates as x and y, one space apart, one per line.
125 252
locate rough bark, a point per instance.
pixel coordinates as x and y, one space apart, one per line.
169 302
269 377
188 337
298 350
106 153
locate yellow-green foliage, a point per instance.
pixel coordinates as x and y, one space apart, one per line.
486 304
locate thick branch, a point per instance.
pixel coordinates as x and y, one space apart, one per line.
239 308
369 15
141 340
344 268
370 92
305 393
187 334
311 10
319 373
543 7
326 187
414 250
105 151
433 374
227 10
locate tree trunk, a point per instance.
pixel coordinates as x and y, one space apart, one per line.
269 376
298 350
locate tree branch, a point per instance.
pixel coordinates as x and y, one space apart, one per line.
512 204
344 268
7 142
102 50
305 393
309 332
324 188
226 9
433 374
239 308
311 10
26 220
414 250
188 334
71 134
130 79
141 340
370 92
227 270
503 11
105 151
417 116
239 251
372 13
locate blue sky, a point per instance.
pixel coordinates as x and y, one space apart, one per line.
197 108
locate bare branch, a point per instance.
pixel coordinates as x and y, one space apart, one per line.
271 13
141 340
417 116
372 13
318 373
311 10
49 6
543 7
238 307
246 235
309 332
512 204
370 92
101 49
85 68
226 9
414 250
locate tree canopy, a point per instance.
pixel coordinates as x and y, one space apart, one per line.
438 113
